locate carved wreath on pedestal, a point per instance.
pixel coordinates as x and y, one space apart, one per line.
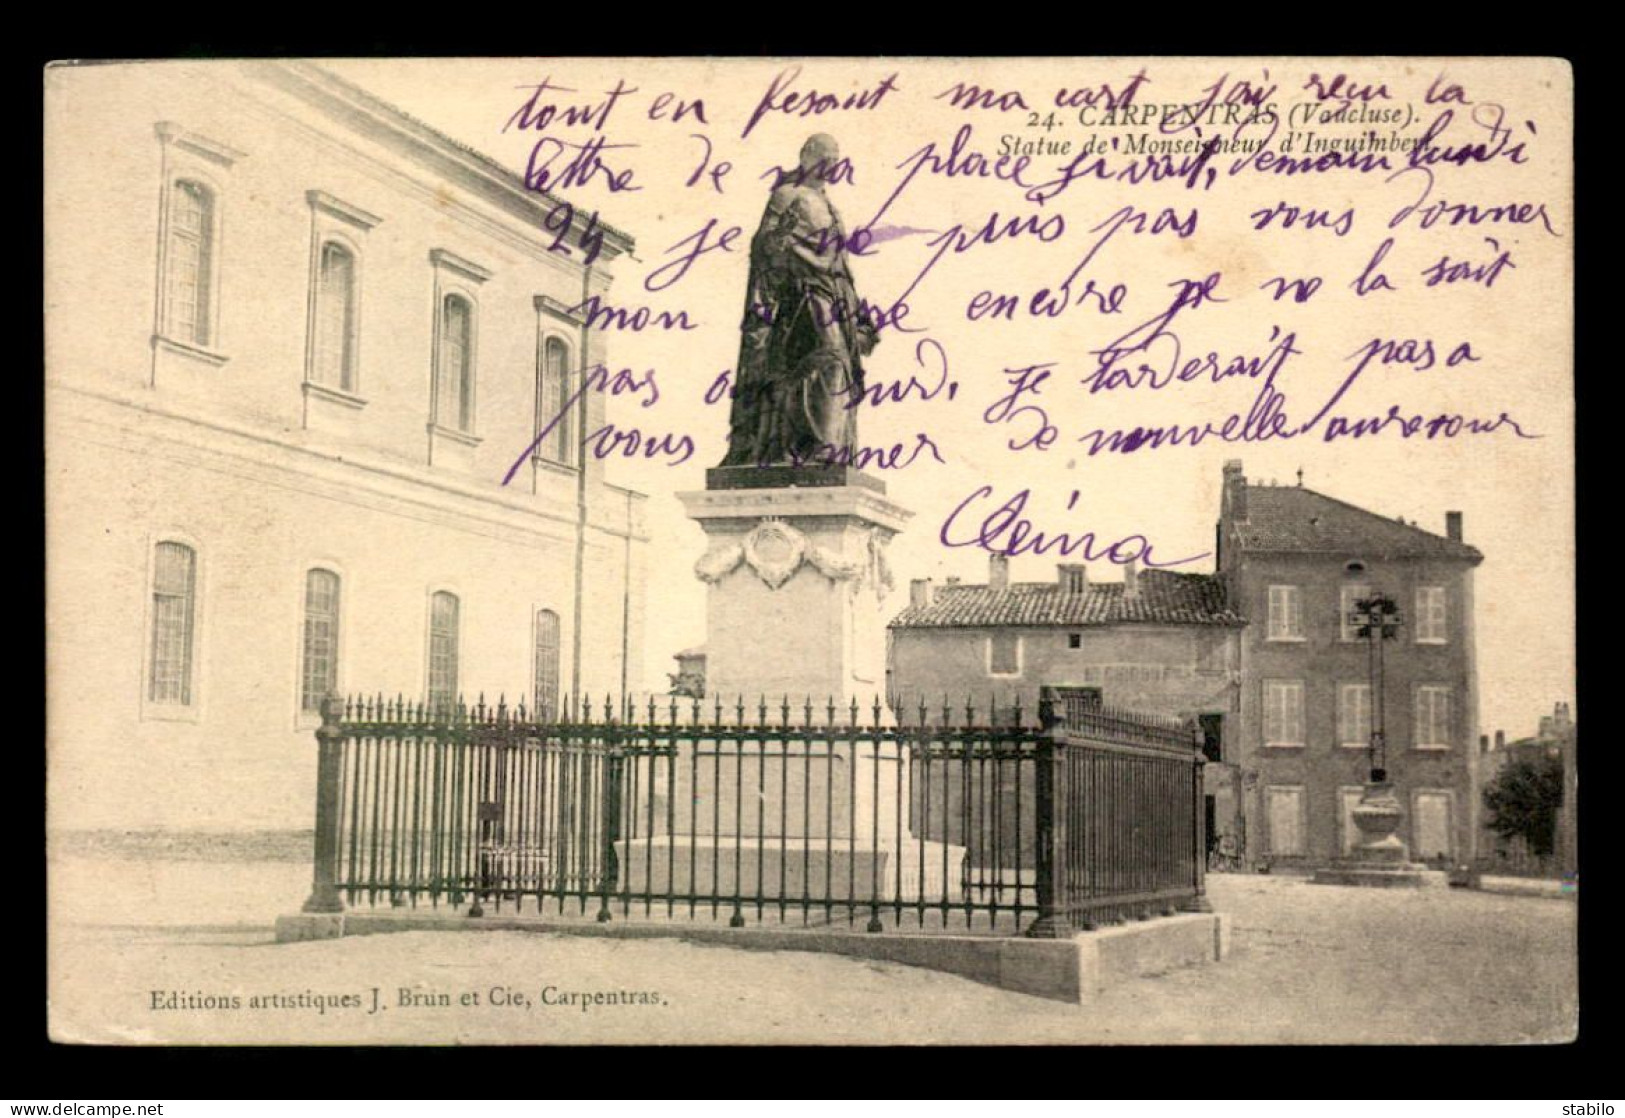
775 550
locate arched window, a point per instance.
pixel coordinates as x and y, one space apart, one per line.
546 688
335 317
454 374
443 621
174 609
189 264
553 399
320 674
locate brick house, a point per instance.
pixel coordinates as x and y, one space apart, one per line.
1558 738
1164 642
1295 561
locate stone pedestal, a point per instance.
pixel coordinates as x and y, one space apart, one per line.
1381 860
798 595
799 587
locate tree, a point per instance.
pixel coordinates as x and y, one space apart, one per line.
1522 802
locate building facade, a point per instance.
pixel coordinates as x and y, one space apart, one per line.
1295 562
300 348
1161 642
1557 739
1261 654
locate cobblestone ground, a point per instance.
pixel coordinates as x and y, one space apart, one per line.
1309 964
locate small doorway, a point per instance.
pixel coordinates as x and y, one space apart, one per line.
1210 824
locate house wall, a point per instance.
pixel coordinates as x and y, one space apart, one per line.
1162 669
1182 671
229 451
1322 766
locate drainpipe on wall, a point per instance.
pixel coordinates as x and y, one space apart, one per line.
581 495
626 602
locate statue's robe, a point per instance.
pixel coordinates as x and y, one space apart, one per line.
799 374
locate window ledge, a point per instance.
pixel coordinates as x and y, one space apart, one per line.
169 712
553 465
1431 748
454 435
334 395
1353 745
1285 640
1437 641
1283 745
190 349
1004 675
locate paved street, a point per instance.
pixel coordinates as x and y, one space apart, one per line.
1309 964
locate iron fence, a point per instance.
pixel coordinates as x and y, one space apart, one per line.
809 814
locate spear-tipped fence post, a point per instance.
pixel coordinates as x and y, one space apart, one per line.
1198 902
1051 711
1054 916
324 893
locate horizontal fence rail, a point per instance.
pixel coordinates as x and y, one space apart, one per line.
791 814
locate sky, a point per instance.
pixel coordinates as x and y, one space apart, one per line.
1516 494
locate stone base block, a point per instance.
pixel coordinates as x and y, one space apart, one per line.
1405 876
1075 970
303 926
794 869
1114 955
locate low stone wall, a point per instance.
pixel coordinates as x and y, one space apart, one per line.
1071 970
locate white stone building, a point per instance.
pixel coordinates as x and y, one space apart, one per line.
296 340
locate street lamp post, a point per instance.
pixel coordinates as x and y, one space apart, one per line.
1381 857
1376 619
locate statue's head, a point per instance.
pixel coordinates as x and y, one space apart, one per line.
818 156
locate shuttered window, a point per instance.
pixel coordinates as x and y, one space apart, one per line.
174 611
1285 613
1354 714
1431 729
189 262
454 373
335 317
546 689
319 676
444 609
1283 712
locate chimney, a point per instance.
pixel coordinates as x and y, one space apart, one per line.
998 572
1235 491
1500 740
1131 580
1452 525
1483 743
1073 578
921 593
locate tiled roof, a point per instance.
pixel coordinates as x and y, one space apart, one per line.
1165 597
1291 518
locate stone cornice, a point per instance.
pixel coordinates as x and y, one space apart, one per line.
750 505
551 306
359 480
214 151
441 258
333 207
